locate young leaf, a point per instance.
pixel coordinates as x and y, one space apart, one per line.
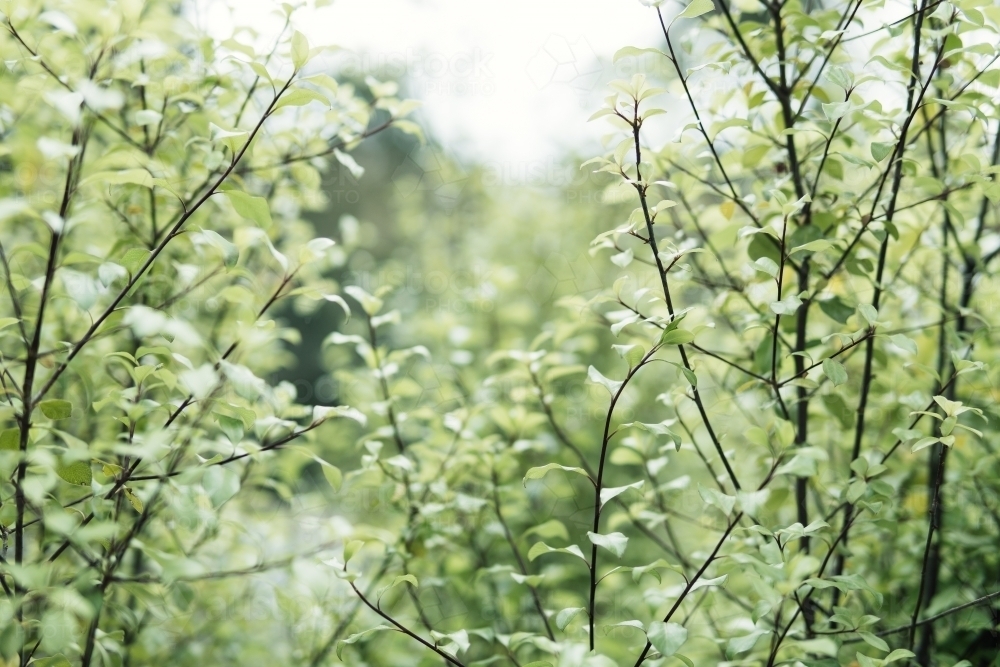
696 9
596 377
666 638
835 370
541 548
300 49
613 542
250 207
539 472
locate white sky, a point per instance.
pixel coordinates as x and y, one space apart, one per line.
511 81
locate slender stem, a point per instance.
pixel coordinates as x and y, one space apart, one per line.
406 631
691 582
517 554
599 485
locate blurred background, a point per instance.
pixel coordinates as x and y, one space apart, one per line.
484 223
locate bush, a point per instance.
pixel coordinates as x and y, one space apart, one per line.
761 434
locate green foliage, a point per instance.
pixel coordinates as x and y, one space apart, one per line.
773 406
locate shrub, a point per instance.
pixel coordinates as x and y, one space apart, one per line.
764 437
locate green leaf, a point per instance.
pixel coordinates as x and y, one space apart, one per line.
738 645
881 150
133 499
766 265
666 638
250 207
231 427
10 440
836 110
873 640
566 616
608 494
549 529
55 408
370 304
357 171
904 342
868 313
898 654
836 309
77 472
539 472
351 548
333 476
717 499
835 371
300 49
355 638
596 377
542 548
676 337
696 9
405 579
786 306
300 97
613 542
706 583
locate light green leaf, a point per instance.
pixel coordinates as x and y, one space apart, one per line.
300 97
766 265
717 499
881 150
898 654
539 472
250 207
355 638
357 171
566 616
333 475
786 306
596 377
370 304
300 49
696 9
738 645
835 371
351 548
705 583
666 638
542 548
133 259
868 313
873 640
904 342
613 542
608 494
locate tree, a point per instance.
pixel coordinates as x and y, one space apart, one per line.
143 164
760 433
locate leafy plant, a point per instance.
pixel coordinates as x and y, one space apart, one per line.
761 433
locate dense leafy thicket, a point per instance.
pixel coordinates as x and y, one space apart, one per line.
752 422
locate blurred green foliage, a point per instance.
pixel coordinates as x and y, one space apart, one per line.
285 383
